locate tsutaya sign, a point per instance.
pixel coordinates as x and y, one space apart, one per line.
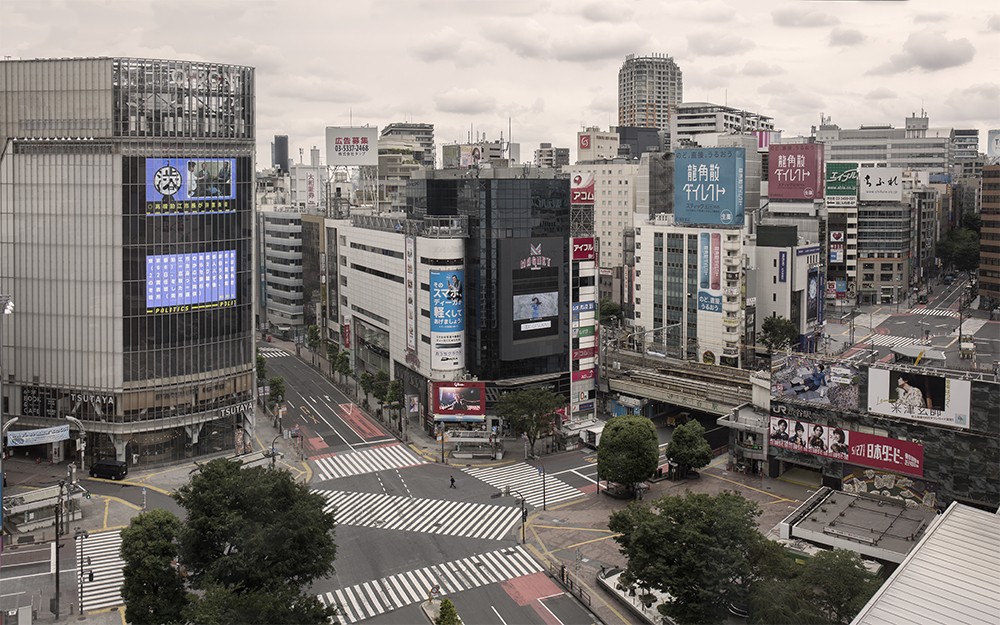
237 409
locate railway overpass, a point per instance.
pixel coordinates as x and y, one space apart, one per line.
707 388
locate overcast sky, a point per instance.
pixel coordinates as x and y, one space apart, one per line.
550 66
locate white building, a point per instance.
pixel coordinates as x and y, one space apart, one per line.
698 118
421 136
548 156
594 144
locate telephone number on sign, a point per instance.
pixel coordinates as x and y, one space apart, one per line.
351 148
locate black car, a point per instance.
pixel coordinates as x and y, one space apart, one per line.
109 469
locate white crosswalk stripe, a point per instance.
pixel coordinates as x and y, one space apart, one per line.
101 555
432 516
369 599
526 479
887 340
936 312
272 352
369 460
970 326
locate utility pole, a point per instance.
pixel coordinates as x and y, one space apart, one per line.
59 530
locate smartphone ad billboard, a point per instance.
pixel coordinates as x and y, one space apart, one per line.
447 319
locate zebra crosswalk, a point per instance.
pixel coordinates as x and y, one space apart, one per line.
369 599
887 340
936 312
527 480
371 460
432 516
272 352
100 554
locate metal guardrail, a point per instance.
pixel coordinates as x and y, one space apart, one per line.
572 584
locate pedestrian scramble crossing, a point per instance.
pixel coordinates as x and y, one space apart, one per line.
887 340
272 352
936 312
369 599
101 555
527 480
370 460
432 516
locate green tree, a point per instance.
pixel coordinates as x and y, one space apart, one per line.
530 410
692 547
606 309
152 589
380 387
282 605
343 364
312 340
838 584
394 396
367 382
628 451
261 367
960 249
689 448
972 221
277 392
778 333
447 614
332 352
783 601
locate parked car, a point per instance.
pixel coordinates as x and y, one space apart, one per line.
109 469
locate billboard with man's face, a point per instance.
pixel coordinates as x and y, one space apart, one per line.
460 398
930 398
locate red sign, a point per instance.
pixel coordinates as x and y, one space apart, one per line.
584 352
584 142
583 248
460 398
581 189
795 171
345 335
867 450
586 374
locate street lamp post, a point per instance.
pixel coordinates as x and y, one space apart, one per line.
524 511
80 534
541 471
59 530
274 451
6 308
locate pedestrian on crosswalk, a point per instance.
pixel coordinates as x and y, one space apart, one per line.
453 483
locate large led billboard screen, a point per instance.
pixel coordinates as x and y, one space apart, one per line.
817 381
459 398
868 450
186 282
936 399
795 171
709 186
531 299
351 146
447 319
182 186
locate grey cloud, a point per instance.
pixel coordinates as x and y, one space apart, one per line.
802 17
993 24
931 17
846 37
315 88
447 45
606 12
974 103
713 44
929 51
464 101
760 68
880 93
577 44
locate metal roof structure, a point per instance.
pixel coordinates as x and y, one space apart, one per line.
952 576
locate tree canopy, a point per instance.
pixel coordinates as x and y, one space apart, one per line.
447 615
628 451
153 589
277 392
692 547
960 249
606 309
530 410
777 333
252 543
689 448
261 367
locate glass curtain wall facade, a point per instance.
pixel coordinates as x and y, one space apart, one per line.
127 218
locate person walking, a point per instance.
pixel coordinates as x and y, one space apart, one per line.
452 485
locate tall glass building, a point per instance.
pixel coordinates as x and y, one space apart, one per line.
126 226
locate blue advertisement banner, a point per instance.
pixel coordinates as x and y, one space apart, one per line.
709 186
185 282
22 438
447 307
579 307
177 186
782 266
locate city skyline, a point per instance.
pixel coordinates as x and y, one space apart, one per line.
548 69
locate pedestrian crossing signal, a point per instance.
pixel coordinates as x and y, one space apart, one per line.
524 515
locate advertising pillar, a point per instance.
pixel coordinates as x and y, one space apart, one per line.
584 335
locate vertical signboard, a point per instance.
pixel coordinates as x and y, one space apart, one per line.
842 184
411 294
837 239
794 170
447 319
813 296
782 266
710 272
993 146
351 146
880 184
581 189
709 186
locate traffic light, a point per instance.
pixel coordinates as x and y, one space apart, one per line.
524 515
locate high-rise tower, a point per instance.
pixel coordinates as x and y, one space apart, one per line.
647 87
